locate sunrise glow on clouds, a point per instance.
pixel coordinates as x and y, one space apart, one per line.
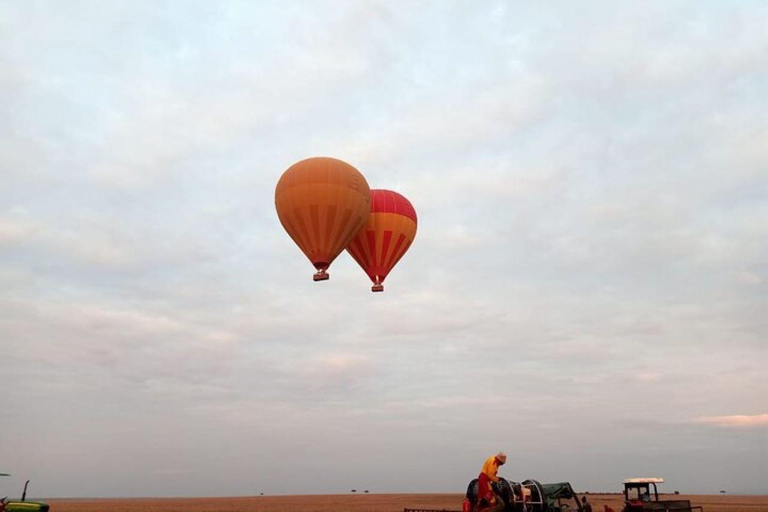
736 421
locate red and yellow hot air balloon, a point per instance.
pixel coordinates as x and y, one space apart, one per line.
322 202
387 234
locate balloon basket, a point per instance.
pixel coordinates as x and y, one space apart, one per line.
321 276
377 288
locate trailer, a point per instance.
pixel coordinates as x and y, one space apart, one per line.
526 496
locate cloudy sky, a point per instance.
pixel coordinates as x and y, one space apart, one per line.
587 290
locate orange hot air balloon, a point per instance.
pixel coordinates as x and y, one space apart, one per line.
322 202
387 234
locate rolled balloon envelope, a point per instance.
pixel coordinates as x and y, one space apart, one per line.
322 203
386 236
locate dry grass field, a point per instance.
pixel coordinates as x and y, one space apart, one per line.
358 503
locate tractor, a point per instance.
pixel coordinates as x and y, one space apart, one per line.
642 495
22 505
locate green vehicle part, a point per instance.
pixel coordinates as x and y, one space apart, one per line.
23 505
560 496
26 506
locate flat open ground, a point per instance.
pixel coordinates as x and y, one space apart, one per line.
358 502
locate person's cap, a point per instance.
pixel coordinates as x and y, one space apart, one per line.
501 456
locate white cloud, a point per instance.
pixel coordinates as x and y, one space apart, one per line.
14 231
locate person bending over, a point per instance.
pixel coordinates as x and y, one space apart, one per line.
489 476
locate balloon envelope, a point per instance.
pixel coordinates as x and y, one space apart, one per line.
385 237
322 202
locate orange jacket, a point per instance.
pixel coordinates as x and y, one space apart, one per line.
490 468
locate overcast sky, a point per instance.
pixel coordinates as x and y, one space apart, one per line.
588 287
